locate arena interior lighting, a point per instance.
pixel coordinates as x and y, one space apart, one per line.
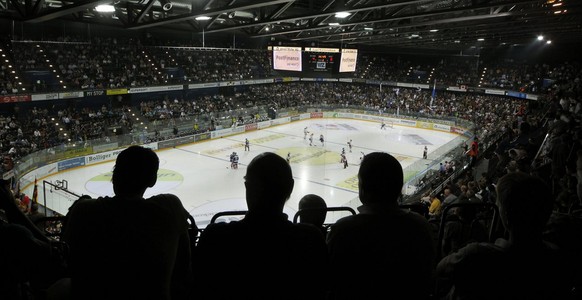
342 14
166 5
105 8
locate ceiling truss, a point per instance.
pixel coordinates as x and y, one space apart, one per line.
443 24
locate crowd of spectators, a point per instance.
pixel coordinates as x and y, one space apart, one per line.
108 63
542 138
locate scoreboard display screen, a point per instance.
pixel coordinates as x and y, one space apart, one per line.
313 62
320 62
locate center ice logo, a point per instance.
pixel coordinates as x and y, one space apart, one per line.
167 180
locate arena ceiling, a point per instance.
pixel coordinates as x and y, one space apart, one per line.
419 24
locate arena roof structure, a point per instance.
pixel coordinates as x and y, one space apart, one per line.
418 24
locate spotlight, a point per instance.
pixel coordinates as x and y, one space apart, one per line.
166 5
105 8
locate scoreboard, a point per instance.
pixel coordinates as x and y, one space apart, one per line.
313 61
320 61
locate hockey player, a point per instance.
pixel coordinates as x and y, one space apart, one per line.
234 160
344 160
350 145
247 145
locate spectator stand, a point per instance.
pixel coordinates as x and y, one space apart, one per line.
486 213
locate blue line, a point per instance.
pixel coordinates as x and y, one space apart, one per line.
294 177
258 145
226 160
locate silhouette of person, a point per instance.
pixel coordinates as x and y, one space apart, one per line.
392 250
128 247
523 266
313 210
286 260
461 228
29 263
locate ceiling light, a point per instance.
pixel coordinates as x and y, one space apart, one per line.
434 30
334 24
342 14
241 14
480 39
203 18
166 5
548 42
105 8
540 37
368 28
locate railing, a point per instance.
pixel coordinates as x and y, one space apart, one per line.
57 191
166 139
450 151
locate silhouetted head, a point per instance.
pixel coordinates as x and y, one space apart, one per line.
136 169
269 183
315 210
380 178
525 202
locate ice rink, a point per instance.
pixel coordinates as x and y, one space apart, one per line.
199 173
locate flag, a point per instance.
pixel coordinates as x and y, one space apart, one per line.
35 192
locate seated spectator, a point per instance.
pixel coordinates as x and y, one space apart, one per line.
25 203
128 247
313 210
461 228
434 210
28 260
523 266
383 251
264 255
448 197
